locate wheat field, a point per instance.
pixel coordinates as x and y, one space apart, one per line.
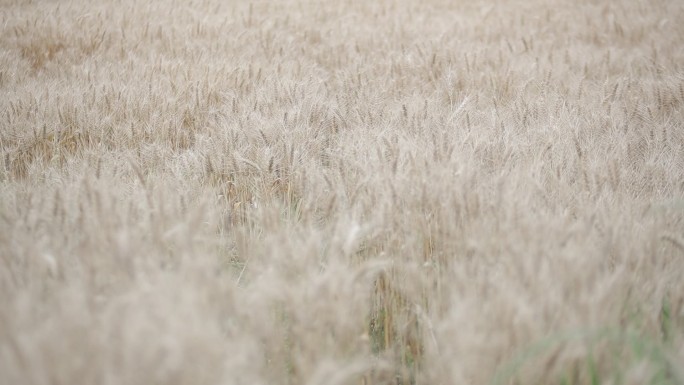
354 192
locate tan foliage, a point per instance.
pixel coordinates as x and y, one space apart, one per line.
382 192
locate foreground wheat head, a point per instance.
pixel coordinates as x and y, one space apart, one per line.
391 192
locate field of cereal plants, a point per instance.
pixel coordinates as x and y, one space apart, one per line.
354 192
